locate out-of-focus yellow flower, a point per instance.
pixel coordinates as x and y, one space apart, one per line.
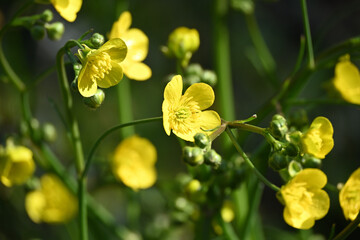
67 8
183 113
350 196
182 43
227 211
52 203
318 140
138 45
16 165
304 199
347 80
101 67
134 163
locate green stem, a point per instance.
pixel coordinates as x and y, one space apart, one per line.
229 232
348 229
106 133
307 34
75 139
249 163
247 127
300 56
125 106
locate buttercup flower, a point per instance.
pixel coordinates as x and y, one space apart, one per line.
350 196
304 199
67 8
134 163
138 45
318 140
52 203
16 165
101 67
183 113
347 80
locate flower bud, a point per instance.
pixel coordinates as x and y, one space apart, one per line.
47 15
190 80
195 191
49 132
193 155
309 161
299 119
278 161
97 40
202 140
194 69
291 149
55 30
212 158
278 126
96 100
209 77
37 32
294 168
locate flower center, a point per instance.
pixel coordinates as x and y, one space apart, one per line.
99 65
183 117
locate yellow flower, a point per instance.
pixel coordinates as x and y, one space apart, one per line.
227 211
134 163
347 80
16 165
52 203
318 140
350 196
138 45
182 43
182 113
101 67
304 199
67 8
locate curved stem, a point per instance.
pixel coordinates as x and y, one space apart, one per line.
249 163
308 34
247 127
348 229
106 133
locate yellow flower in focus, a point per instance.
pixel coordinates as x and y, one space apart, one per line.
183 113
67 8
52 203
16 165
304 199
318 140
138 45
347 80
134 163
349 196
182 43
101 67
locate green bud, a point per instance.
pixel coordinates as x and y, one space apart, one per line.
278 161
291 149
47 15
194 190
299 119
213 158
309 161
209 77
193 155
55 30
97 40
278 126
294 168
294 137
202 140
77 67
194 69
96 100
190 80
37 32
49 132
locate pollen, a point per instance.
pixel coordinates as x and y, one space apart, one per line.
99 65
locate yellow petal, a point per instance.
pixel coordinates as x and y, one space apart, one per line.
302 220
35 203
321 204
67 8
137 43
136 70
165 110
209 120
121 25
173 90
201 93
188 135
349 196
313 178
86 86
116 48
113 77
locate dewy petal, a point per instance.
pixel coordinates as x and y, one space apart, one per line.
86 86
116 48
137 43
67 8
136 70
173 90
165 110
113 77
209 120
201 93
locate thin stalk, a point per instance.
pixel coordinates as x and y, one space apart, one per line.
307 34
125 106
249 163
76 141
229 232
106 133
348 229
247 127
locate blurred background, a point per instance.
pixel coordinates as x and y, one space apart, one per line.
281 25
